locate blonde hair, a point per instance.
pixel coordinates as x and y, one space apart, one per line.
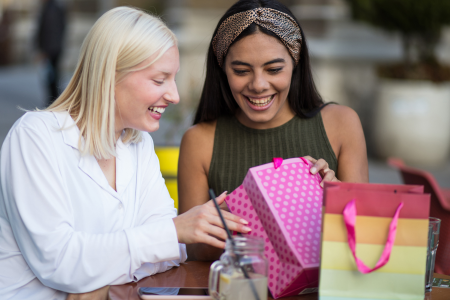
120 40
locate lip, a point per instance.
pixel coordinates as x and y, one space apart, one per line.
260 108
155 115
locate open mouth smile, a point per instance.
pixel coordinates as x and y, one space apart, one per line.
260 102
156 109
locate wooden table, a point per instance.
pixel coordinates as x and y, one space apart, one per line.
195 274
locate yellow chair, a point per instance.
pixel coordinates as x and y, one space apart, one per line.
168 160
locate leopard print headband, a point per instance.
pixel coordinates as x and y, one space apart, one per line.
283 25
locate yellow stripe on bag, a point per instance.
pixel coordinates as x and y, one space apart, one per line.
374 230
403 259
349 285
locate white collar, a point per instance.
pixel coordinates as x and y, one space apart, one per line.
125 162
69 129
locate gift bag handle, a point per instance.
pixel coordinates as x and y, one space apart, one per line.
277 161
350 221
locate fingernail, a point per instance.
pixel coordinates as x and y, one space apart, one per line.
246 229
244 222
321 184
224 193
313 170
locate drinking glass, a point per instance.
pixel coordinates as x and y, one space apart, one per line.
434 227
241 272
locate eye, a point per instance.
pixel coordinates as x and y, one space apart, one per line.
275 70
240 72
158 82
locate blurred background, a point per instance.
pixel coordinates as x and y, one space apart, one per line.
387 59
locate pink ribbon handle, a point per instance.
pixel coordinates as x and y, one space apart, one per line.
350 222
277 161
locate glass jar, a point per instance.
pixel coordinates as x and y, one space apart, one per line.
241 272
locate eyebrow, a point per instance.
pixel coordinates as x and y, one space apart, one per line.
276 60
165 73
241 63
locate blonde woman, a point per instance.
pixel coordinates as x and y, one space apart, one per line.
82 201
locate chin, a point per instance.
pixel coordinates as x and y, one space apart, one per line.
261 117
152 128
147 127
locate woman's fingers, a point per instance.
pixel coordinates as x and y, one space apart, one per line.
313 160
221 197
217 232
227 215
318 164
234 223
230 217
321 166
202 224
224 206
328 176
210 240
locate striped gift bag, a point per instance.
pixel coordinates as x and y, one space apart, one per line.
374 242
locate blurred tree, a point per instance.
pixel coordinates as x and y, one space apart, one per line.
5 37
419 23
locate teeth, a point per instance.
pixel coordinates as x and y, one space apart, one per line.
261 101
156 109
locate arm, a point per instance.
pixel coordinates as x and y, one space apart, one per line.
346 136
41 216
193 165
155 205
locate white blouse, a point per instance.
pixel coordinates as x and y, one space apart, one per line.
63 229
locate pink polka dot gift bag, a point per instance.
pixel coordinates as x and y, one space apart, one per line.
283 203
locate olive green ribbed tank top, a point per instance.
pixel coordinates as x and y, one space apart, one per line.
238 148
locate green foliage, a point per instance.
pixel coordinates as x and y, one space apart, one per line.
419 23
410 17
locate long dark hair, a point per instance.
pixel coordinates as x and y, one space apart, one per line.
217 100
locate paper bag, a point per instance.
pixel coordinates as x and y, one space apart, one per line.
283 203
374 242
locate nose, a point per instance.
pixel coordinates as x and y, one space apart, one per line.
259 83
171 94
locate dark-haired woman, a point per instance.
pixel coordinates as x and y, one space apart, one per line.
259 101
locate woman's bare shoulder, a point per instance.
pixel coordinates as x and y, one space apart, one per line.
342 125
342 115
346 136
198 143
340 121
203 131
199 138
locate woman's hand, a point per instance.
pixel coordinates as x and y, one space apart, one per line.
100 294
224 206
202 224
321 166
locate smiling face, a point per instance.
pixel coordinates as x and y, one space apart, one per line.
142 96
259 71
